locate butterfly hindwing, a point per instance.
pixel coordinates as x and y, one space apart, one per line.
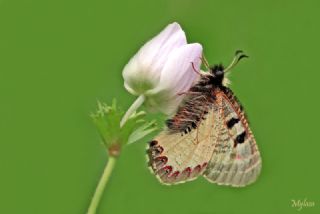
235 160
175 158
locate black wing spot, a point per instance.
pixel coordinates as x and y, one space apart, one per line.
240 138
194 125
232 122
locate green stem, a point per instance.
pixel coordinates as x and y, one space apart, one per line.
113 153
102 184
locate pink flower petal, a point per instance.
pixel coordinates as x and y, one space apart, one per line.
145 67
178 74
154 53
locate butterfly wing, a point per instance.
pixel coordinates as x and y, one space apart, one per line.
222 147
175 159
235 160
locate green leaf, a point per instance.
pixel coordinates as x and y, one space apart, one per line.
107 120
142 131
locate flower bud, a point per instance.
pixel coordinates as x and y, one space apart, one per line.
162 69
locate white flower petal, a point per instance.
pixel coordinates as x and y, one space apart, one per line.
177 77
130 90
143 71
171 106
138 78
162 68
163 101
178 74
154 53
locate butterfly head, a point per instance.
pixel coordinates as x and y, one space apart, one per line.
217 74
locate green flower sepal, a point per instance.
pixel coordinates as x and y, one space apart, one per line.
107 120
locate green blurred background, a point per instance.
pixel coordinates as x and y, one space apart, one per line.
57 58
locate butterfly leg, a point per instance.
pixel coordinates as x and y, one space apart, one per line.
188 93
195 70
196 140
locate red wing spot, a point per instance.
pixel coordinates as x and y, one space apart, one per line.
187 171
164 172
197 169
161 161
175 174
167 169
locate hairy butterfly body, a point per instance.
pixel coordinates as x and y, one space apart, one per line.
209 136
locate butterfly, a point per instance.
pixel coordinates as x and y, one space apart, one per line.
209 135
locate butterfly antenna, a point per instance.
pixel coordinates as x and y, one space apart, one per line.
205 62
237 57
